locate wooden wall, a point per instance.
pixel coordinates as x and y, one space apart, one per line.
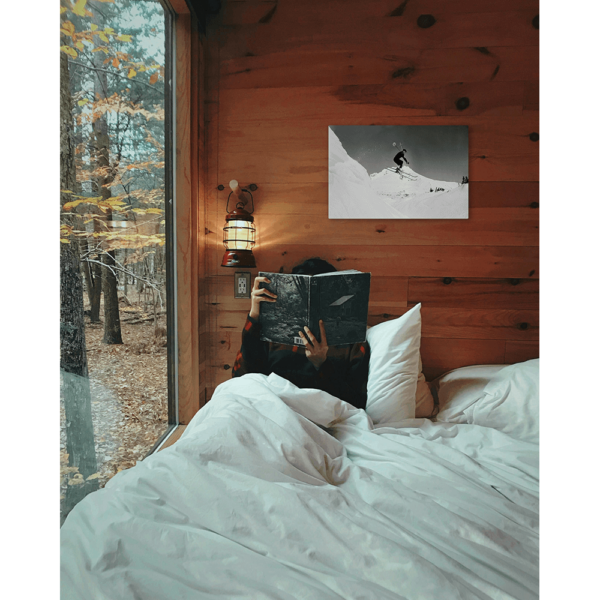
189 184
279 72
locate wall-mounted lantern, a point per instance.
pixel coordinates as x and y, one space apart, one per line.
239 233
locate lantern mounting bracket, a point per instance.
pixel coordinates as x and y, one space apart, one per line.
241 204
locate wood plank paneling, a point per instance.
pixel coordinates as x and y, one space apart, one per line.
379 33
519 351
303 67
279 73
484 227
186 224
460 323
475 293
500 148
393 99
247 12
311 198
412 261
440 355
496 194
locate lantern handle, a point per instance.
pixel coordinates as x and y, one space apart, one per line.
241 204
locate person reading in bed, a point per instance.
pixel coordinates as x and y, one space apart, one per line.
339 370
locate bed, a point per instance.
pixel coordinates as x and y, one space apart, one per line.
279 492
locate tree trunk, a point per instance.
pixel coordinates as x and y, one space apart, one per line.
96 272
112 323
93 282
73 358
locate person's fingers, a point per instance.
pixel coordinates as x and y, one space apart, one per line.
257 280
260 293
265 291
323 336
312 338
306 342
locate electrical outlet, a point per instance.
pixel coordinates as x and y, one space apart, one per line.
242 281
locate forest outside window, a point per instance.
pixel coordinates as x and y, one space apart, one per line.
118 348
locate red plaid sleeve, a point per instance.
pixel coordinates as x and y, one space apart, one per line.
252 357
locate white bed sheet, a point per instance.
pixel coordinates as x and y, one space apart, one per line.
259 500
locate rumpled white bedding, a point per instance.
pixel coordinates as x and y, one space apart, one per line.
280 492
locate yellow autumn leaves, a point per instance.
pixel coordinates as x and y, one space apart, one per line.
115 239
79 7
119 60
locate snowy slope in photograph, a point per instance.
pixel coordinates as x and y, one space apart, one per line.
353 194
419 197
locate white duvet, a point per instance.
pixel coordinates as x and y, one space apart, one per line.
280 492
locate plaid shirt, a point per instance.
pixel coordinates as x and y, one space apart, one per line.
343 374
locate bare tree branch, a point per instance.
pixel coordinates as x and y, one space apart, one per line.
74 62
119 267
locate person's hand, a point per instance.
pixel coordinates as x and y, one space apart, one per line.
259 295
316 352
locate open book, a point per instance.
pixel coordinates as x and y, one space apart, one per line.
340 299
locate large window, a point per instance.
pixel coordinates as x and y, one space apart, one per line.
118 396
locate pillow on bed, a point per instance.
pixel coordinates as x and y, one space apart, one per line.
460 388
394 368
510 402
424 403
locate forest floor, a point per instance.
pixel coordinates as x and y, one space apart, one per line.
129 395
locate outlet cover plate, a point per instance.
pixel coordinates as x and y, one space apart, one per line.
242 281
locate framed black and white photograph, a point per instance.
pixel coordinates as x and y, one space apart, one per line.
398 172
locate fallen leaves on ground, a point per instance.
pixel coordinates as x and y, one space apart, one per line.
129 397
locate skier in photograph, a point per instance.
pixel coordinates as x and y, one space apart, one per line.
399 158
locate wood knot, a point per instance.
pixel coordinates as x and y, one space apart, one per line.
380 230
535 22
267 18
462 103
386 315
398 12
338 259
515 281
447 280
534 137
226 367
523 326
535 205
221 187
404 73
426 21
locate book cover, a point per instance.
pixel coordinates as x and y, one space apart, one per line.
340 298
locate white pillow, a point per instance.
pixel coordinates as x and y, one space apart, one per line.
460 388
394 367
510 402
424 403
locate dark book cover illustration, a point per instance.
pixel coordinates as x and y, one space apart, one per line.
340 298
